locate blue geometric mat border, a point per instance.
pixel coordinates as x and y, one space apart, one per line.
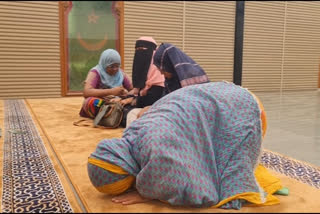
292 168
30 182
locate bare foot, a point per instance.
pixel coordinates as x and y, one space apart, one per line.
130 198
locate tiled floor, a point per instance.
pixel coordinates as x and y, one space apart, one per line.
293 124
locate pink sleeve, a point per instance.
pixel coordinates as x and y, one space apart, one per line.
93 78
126 82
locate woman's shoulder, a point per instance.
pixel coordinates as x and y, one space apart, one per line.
93 78
125 76
94 71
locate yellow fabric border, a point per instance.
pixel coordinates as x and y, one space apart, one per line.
108 166
117 187
266 180
269 183
253 197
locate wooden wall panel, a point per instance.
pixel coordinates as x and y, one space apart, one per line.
29 49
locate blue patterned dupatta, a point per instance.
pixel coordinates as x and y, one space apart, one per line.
197 146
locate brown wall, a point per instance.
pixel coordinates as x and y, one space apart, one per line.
29 49
281 42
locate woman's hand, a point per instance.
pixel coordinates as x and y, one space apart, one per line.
119 91
134 91
134 102
126 101
130 198
124 92
114 100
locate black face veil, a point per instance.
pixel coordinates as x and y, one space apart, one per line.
141 62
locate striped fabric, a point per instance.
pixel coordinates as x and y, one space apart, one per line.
91 107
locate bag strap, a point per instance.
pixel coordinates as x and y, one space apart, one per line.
81 123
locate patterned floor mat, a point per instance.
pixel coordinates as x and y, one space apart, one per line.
292 168
30 183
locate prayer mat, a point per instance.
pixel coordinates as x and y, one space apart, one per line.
297 170
30 182
72 144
